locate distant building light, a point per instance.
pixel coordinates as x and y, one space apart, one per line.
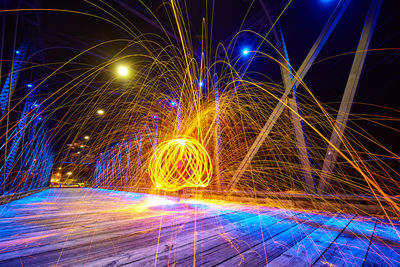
86 137
100 112
29 85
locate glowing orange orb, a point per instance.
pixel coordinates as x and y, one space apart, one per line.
180 163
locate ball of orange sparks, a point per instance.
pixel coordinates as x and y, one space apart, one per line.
179 163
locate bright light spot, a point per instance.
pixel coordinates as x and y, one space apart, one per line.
35 105
59 168
158 201
79 152
245 51
100 112
123 71
173 103
40 118
69 173
180 141
17 52
81 146
201 84
29 85
154 117
86 137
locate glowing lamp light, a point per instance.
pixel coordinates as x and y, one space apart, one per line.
29 85
86 137
17 52
100 112
173 103
154 117
123 71
180 163
245 51
69 173
201 84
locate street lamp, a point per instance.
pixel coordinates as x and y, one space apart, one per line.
86 137
122 71
100 112
69 173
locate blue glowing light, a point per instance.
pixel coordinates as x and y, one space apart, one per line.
245 51
35 105
17 52
40 118
154 116
201 84
173 103
29 85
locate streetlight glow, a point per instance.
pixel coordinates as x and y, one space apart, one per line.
86 137
69 173
100 112
123 71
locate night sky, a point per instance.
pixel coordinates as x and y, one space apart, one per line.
68 34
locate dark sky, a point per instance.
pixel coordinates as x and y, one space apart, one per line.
301 24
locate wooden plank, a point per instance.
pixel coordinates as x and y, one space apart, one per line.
210 251
385 246
351 247
308 250
184 246
96 234
103 230
88 227
141 244
273 247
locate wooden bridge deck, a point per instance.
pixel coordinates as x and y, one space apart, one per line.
94 227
